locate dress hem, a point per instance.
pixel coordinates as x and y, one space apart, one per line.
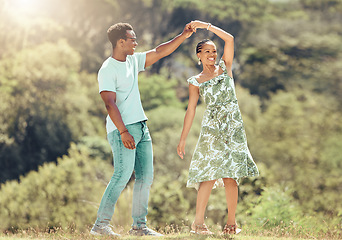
219 181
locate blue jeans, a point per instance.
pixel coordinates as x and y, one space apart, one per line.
125 161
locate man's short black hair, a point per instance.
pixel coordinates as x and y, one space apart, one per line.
118 31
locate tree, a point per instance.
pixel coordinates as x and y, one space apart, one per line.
295 133
45 104
277 56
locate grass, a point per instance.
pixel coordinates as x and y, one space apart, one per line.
85 236
277 233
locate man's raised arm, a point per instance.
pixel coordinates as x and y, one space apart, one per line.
167 48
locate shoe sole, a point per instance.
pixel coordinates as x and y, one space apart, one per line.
141 235
99 234
94 233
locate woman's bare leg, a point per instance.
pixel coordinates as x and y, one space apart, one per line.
231 189
202 200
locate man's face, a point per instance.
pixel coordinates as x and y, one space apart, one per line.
130 42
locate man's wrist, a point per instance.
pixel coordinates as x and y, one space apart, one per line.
124 131
182 36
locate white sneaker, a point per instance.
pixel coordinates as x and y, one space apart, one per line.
105 230
145 231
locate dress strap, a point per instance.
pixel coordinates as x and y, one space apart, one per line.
192 80
222 65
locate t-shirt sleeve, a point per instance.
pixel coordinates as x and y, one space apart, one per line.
141 59
107 80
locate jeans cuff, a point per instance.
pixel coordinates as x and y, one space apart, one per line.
138 225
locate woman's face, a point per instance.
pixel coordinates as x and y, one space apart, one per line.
208 54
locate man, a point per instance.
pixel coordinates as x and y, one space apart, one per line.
127 131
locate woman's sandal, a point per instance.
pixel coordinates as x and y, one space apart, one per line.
231 229
200 229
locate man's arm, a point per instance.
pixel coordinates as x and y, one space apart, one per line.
167 48
109 99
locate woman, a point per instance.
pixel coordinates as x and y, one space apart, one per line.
221 156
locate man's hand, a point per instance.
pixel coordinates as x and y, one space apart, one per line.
198 24
128 140
188 30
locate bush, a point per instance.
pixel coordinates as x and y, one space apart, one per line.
62 195
275 207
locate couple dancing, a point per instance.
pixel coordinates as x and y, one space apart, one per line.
221 156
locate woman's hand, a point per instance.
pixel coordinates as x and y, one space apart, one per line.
198 24
181 149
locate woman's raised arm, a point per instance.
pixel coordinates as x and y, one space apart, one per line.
228 52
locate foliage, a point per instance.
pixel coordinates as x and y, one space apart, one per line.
171 203
301 58
55 195
41 110
323 5
275 207
296 131
165 124
97 147
157 91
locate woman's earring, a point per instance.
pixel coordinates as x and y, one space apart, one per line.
199 62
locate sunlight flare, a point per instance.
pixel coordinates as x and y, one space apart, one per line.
25 4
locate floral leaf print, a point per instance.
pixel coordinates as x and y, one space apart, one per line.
221 150
239 135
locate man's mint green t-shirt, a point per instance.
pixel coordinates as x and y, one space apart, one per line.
122 78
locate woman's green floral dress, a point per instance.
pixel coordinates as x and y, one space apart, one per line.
221 150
